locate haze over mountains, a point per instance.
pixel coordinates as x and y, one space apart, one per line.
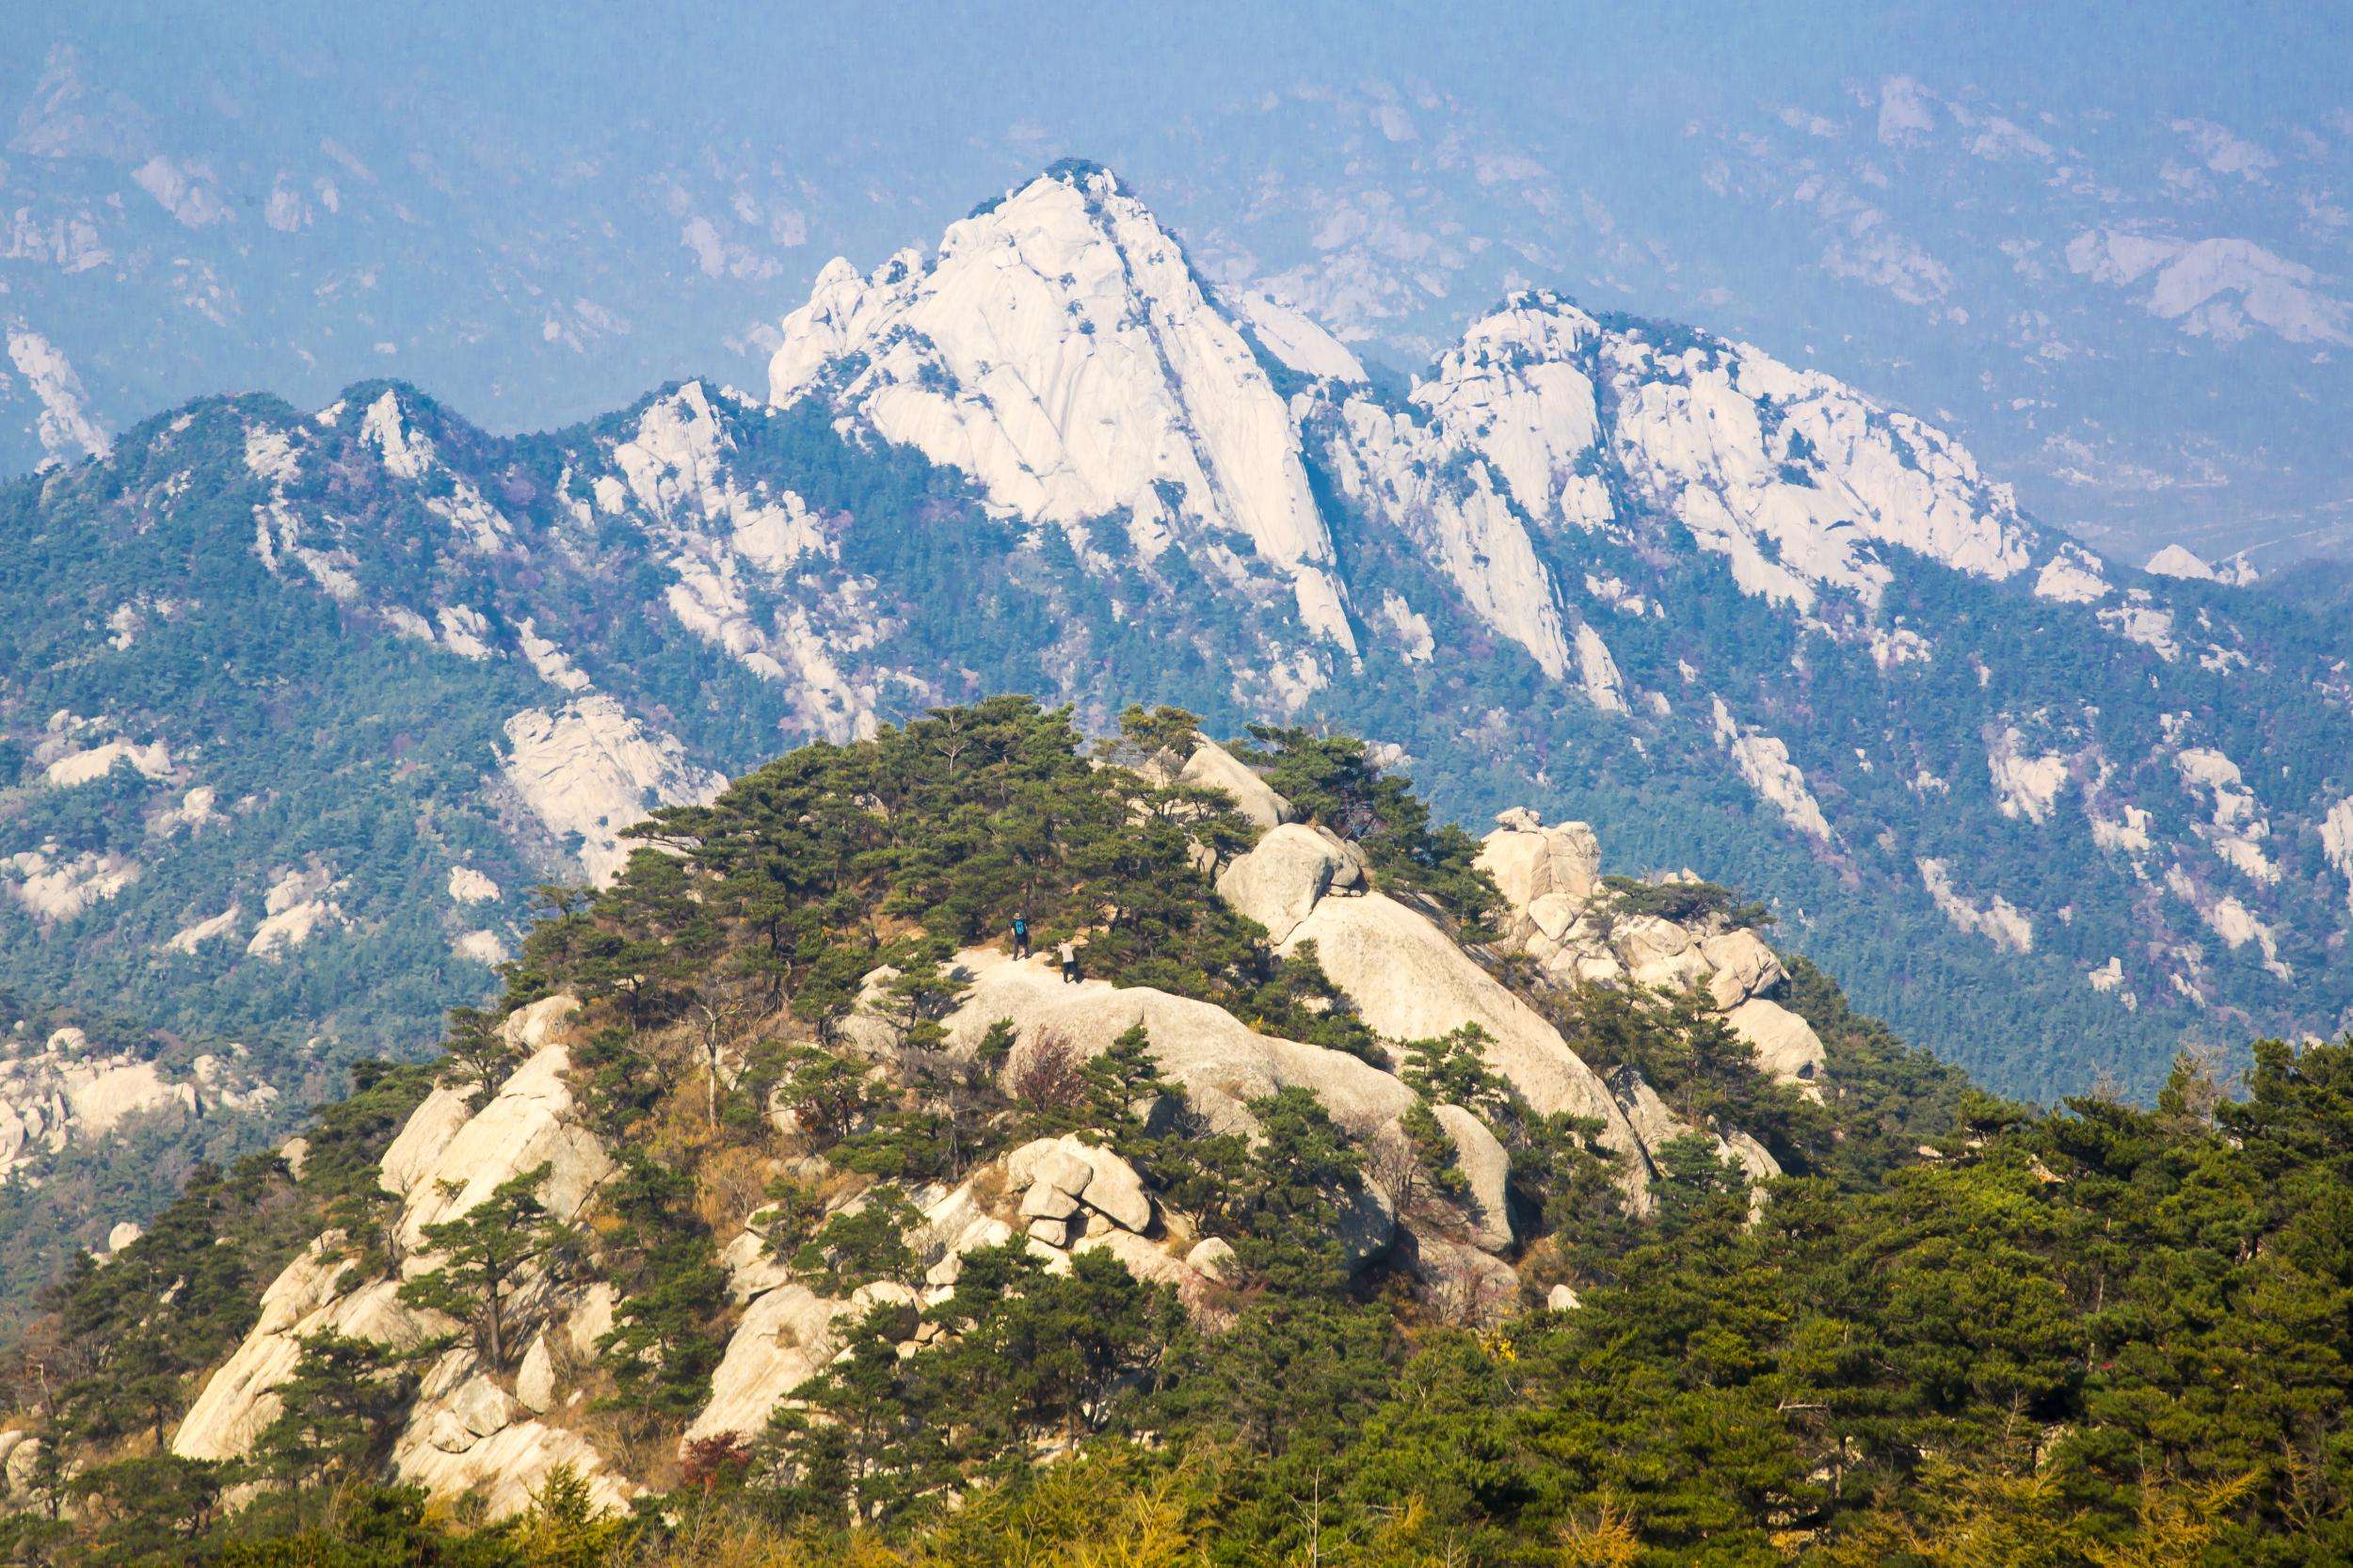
2125 290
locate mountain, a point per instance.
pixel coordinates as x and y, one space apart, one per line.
299 707
2122 287
1301 1194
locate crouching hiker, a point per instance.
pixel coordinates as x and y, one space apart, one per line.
1069 954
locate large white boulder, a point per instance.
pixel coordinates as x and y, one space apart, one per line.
1213 1257
1462 1285
1220 1062
1659 953
535 1378
1367 1224
1409 981
476 1439
1786 1044
528 1122
1744 967
1486 1167
1281 880
1213 767
1116 1193
1529 860
785 1338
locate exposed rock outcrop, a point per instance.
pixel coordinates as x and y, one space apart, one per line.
69 1090
1486 1167
784 1339
1787 1045
1410 981
1213 767
464 1432
1561 915
1659 1125
1220 1063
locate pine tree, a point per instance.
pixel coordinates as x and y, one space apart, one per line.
483 1255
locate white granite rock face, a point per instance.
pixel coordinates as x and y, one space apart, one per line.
1486 1165
1060 349
464 1434
1562 917
68 1091
1213 767
1220 1063
592 769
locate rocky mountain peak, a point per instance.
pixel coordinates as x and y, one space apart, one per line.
1061 349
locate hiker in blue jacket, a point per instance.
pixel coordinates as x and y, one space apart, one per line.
1021 936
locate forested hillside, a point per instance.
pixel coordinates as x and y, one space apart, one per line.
779 1213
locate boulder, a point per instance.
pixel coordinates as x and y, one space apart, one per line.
1744 966
1065 1168
1750 1156
20 1455
481 1407
1213 767
785 1337
1487 1167
1219 1061
1530 861
1786 1044
535 1026
1148 1261
1278 882
1561 1298
1116 1193
1083 1173
1045 1201
122 1235
1659 953
1054 1233
1212 1258
988 1232
751 1269
475 1440
1367 1224
592 1319
1410 982
1599 967
1555 915
1461 1285
535 1380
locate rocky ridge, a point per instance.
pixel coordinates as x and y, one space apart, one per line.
475 1428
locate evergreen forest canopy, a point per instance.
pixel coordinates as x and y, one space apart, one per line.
1959 1331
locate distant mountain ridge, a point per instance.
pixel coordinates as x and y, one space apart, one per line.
299 707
